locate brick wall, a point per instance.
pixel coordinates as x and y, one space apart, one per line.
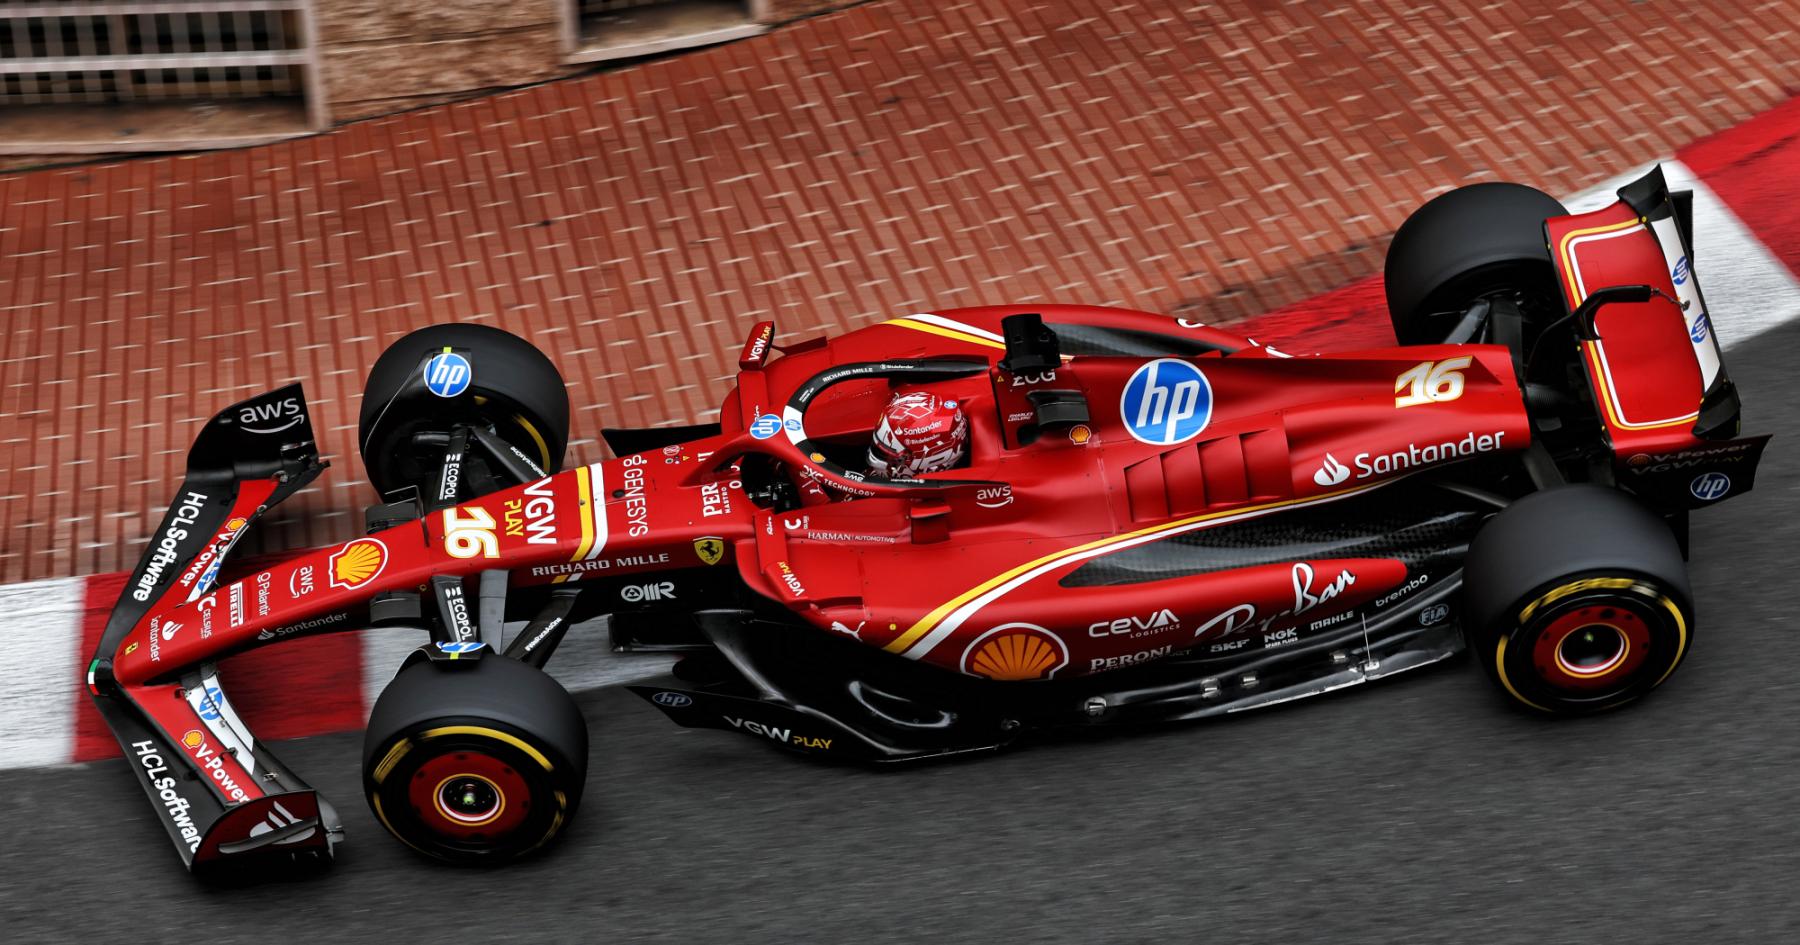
383 55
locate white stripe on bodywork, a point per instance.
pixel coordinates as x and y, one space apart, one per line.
228 729
41 672
954 325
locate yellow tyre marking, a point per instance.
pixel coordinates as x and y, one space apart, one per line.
1500 664
536 437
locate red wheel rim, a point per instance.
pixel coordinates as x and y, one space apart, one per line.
1591 646
469 795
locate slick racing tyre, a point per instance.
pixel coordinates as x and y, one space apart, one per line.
1577 600
476 762
1472 243
504 384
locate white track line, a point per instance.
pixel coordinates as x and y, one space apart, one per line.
1748 291
39 671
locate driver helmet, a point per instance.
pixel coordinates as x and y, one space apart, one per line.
919 432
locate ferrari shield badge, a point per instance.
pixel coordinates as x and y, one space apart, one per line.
709 550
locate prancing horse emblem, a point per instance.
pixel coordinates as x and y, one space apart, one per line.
710 550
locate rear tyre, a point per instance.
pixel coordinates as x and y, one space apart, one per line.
515 391
1577 600
1472 243
475 763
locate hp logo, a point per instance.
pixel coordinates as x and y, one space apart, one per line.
1709 486
1698 331
209 706
1679 275
673 700
765 426
448 374
1167 401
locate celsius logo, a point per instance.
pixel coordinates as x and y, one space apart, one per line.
673 700
1709 486
1167 401
1680 273
1701 327
448 374
1331 472
272 417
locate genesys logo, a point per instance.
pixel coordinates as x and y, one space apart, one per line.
271 416
1331 472
1166 401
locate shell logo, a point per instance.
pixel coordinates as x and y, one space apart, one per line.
1016 651
236 523
358 563
193 738
1080 434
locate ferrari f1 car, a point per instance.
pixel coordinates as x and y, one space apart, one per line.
1157 520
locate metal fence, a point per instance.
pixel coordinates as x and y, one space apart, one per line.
156 50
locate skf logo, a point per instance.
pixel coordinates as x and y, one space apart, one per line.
357 563
1331 472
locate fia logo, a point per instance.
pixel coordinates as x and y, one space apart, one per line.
1709 486
1167 401
448 374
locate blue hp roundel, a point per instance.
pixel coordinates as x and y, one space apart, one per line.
1166 402
765 426
1679 274
448 374
1709 486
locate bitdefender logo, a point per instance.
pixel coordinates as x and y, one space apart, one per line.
1331 472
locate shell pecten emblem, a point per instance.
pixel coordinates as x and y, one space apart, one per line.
357 563
1014 652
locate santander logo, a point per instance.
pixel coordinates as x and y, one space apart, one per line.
1331 472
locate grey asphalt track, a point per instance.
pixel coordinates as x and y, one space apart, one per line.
1420 810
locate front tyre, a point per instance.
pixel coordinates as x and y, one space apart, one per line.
1577 600
477 762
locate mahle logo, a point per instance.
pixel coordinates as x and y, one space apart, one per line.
1167 401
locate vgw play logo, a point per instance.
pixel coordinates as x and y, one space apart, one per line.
1167 401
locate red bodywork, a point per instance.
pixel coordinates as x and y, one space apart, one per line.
967 578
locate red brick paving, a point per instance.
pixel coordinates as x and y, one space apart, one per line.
1215 160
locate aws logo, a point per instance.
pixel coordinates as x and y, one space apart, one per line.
271 416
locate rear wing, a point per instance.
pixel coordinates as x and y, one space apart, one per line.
219 794
1667 406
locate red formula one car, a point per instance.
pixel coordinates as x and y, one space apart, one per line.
1154 520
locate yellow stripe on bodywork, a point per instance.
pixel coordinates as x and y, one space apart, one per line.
584 490
946 332
1566 252
924 626
1608 396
